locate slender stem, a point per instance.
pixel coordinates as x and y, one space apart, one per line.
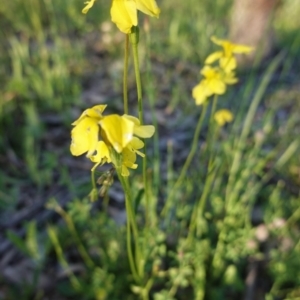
129 248
131 213
93 178
134 39
62 260
139 260
211 133
53 204
200 206
94 192
131 224
155 163
213 109
238 151
187 162
125 81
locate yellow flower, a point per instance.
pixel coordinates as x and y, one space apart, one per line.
89 4
214 83
85 133
226 57
124 12
111 138
223 116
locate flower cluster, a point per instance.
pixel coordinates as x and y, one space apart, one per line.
124 12
216 78
109 139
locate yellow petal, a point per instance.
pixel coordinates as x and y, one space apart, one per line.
201 92
128 161
230 47
133 119
124 171
217 86
124 14
209 72
143 131
241 49
148 7
89 4
228 63
84 137
230 78
129 158
102 153
94 112
136 143
217 41
118 131
213 57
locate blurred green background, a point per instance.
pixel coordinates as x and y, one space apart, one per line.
56 62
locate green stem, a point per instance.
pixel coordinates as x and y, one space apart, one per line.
134 39
93 194
212 133
187 162
213 109
129 248
136 269
71 226
199 208
151 95
125 81
62 260
241 144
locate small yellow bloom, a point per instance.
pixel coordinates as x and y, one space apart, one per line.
128 161
135 145
111 138
215 83
230 48
124 12
223 116
89 4
227 60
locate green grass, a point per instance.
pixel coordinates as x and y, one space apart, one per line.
51 57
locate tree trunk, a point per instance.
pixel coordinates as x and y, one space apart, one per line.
251 25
